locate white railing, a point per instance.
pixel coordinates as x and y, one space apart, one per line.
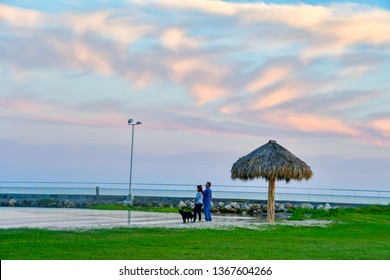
352 196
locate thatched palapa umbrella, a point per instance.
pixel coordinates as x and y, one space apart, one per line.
271 162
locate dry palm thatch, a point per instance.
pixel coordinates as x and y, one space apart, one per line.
271 162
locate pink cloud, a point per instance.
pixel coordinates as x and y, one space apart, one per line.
382 126
212 7
202 77
301 16
22 17
332 28
307 122
125 29
183 69
205 93
364 26
62 113
80 53
270 76
345 27
228 109
122 29
283 93
177 39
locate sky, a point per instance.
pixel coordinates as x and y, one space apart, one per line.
210 80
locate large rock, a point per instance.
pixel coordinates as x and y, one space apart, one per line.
72 204
235 205
255 206
327 206
281 208
230 209
288 205
307 206
12 202
182 205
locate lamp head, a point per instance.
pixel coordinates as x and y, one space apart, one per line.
129 121
139 123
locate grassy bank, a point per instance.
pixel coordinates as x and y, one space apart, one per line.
361 233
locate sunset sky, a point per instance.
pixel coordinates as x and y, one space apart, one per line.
210 80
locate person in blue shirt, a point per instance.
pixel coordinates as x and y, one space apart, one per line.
207 196
198 203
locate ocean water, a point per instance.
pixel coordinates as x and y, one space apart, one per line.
320 195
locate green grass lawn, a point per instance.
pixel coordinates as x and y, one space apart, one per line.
355 234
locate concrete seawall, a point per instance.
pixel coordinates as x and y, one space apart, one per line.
69 201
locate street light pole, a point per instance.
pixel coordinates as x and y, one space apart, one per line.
130 122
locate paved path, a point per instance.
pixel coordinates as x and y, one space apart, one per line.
75 218
66 218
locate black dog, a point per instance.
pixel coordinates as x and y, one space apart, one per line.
187 216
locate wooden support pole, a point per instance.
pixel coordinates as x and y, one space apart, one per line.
271 202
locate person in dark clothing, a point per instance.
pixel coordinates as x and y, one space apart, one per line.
207 196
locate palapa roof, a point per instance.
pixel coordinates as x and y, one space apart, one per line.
271 162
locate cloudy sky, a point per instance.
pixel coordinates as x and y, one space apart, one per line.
210 80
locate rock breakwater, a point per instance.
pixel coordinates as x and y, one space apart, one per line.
234 207
247 207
